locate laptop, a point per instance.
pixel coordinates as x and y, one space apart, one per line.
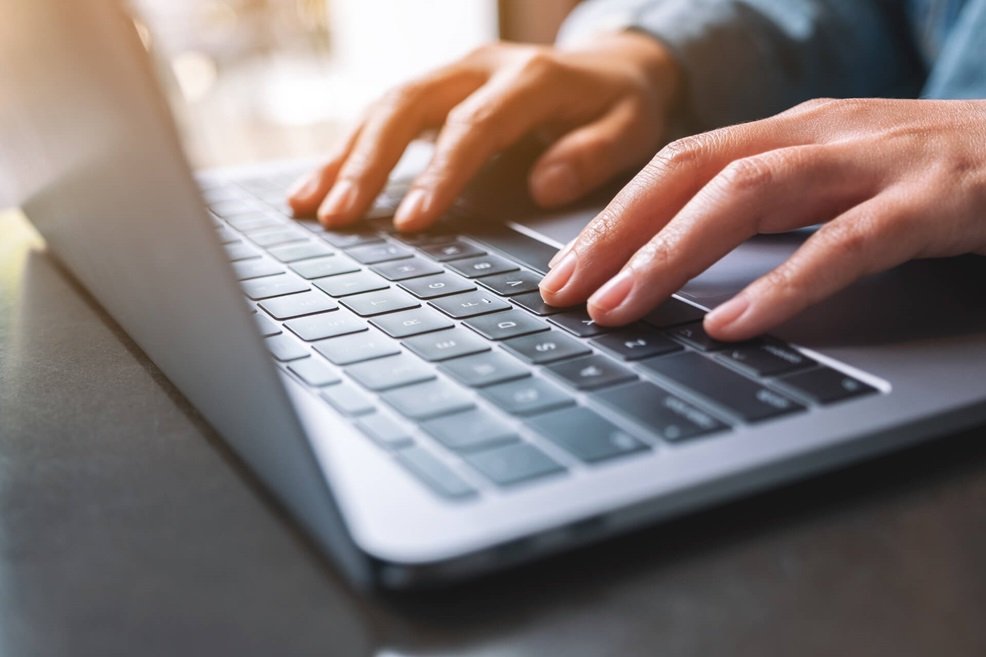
411 400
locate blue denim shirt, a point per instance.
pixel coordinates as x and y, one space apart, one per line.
747 59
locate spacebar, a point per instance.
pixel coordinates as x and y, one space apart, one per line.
525 250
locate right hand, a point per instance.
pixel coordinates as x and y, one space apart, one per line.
605 105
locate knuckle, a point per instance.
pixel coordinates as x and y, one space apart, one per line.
536 62
845 237
783 281
401 98
680 154
468 117
751 174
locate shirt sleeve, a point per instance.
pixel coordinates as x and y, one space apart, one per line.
747 59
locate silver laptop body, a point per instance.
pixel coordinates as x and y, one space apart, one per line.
89 151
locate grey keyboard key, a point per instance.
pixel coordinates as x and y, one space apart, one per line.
390 372
314 371
486 265
326 325
443 345
412 322
484 369
285 348
273 286
269 238
357 347
751 401
470 430
226 236
427 400
300 251
637 342
253 221
586 435
346 239
401 270
660 412
546 347
240 251
228 208
513 283
321 267
506 324
371 254
825 385
267 327
767 359
527 396
533 302
347 399
298 305
379 303
470 304
512 464
578 323
349 284
672 313
433 287
439 477
385 431
591 372
694 335
248 269
443 252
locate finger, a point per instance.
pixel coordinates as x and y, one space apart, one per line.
651 199
390 127
590 155
878 234
772 192
308 192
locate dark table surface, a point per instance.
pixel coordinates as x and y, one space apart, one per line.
127 528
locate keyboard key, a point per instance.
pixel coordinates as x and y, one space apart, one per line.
400 270
428 400
273 286
590 372
506 324
411 322
300 251
446 251
825 385
390 372
326 325
486 265
253 221
298 305
346 239
269 238
385 431
672 313
436 475
347 399
379 303
355 348
226 236
578 323
533 302
527 396
267 327
473 429
470 304
257 268
637 342
484 369
512 283
749 400
240 251
546 347
512 464
659 411
314 372
348 284
285 348
371 254
321 267
231 207
695 336
767 359
433 287
444 345
586 435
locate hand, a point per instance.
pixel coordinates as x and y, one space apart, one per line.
893 180
605 104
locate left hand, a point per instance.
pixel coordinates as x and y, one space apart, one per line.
892 180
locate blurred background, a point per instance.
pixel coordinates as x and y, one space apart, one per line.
255 80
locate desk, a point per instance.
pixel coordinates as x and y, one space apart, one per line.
127 528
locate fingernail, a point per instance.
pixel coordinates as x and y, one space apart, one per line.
558 277
562 252
555 184
413 205
611 295
339 203
727 313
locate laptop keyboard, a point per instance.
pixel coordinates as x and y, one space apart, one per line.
443 353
